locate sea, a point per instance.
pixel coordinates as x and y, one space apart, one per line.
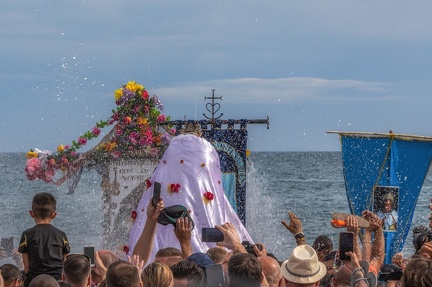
310 184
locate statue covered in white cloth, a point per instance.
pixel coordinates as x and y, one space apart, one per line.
190 175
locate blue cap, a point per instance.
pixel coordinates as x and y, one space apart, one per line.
201 259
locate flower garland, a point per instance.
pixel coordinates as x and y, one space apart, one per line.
137 133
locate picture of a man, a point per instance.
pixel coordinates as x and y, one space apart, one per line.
388 212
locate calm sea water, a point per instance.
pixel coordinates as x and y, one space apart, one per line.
309 184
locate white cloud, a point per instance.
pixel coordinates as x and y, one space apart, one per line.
283 90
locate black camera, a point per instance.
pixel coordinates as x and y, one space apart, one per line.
249 247
390 272
421 238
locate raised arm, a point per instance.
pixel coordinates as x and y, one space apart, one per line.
144 244
352 226
376 252
295 227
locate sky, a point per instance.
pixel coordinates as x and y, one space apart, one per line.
310 66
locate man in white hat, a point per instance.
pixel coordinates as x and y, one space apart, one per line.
302 269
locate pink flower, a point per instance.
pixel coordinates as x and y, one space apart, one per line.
145 95
154 152
161 118
73 153
96 131
66 147
133 135
82 140
118 132
142 141
33 168
116 154
133 141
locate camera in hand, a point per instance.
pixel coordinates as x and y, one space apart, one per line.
249 247
390 272
420 238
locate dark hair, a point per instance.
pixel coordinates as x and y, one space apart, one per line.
76 269
322 242
44 205
417 273
122 274
244 269
10 273
189 270
44 280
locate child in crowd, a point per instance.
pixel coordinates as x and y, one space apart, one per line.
43 246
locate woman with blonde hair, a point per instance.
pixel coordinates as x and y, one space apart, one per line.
157 274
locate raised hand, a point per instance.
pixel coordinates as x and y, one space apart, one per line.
295 225
231 238
153 212
352 224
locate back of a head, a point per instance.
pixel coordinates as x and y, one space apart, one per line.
189 270
157 274
122 274
217 254
271 269
44 280
76 269
169 256
44 205
322 242
10 274
417 273
244 269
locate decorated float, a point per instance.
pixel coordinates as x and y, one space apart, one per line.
127 155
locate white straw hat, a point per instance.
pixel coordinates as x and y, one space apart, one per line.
303 266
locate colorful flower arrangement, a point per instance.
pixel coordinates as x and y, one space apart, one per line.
137 133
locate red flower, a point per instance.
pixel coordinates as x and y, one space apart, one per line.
126 248
175 187
134 214
148 183
145 94
208 195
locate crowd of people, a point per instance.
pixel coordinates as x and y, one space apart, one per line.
46 259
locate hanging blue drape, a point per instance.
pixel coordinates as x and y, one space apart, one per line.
385 161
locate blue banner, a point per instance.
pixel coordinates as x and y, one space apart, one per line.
385 175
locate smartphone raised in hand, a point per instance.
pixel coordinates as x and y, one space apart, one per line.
209 234
156 193
346 243
89 250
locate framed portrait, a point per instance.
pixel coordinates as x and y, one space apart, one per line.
386 199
